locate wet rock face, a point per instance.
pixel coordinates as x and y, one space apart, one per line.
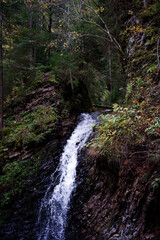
22 217
114 204
94 192
23 213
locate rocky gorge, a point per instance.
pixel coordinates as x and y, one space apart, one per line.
117 183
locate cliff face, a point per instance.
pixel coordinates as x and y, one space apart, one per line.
26 163
115 202
118 197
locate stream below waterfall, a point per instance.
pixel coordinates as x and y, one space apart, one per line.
52 217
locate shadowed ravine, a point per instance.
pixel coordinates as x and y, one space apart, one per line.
55 204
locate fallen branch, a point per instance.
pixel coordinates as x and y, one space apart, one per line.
138 153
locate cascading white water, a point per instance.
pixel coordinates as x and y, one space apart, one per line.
54 207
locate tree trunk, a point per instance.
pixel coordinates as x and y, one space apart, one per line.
69 22
31 27
50 27
82 28
1 71
110 68
145 3
71 81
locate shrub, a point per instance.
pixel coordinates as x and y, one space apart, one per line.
29 127
123 128
14 175
154 127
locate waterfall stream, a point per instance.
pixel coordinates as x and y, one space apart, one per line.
55 204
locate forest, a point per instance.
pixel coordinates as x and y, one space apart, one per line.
62 58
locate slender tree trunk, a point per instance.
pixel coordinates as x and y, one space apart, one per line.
145 3
31 27
71 82
69 22
29 6
41 21
110 68
1 70
41 18
158 41
50 21
35 52
50 27
82 28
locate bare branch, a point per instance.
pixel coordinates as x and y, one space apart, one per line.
112 39
94 23
93 35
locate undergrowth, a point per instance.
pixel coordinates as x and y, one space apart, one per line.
28 127
13 178
20 132
125 127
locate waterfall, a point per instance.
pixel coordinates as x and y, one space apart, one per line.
55 204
